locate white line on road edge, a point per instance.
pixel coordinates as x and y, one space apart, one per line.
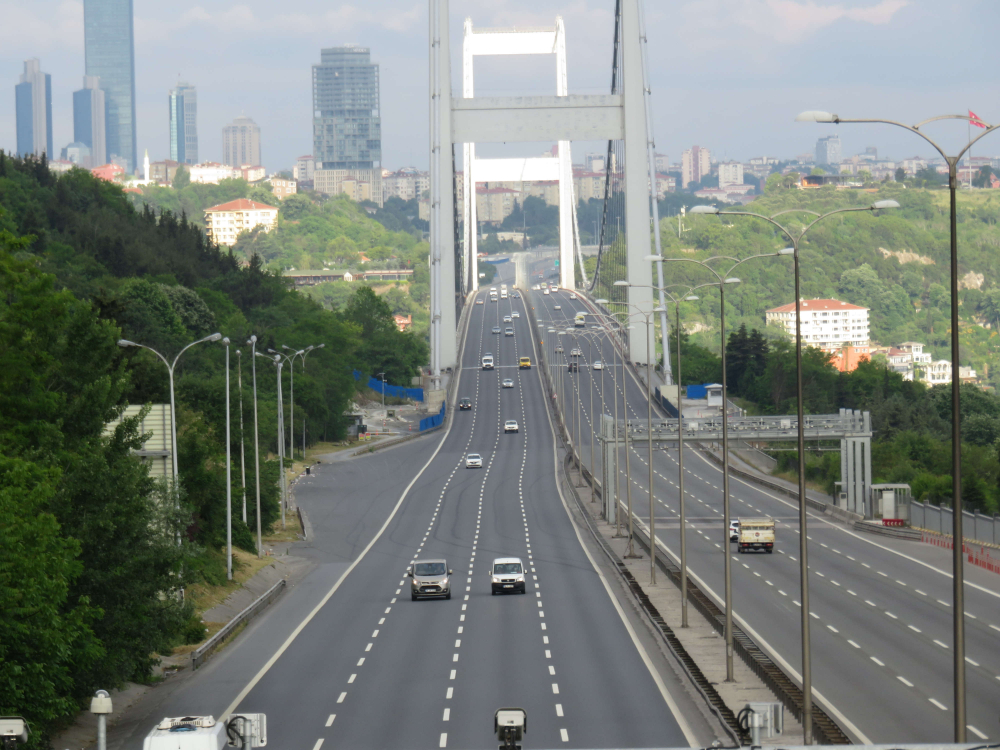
667 697
319 744
308 618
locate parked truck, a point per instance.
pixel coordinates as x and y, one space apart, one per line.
756 534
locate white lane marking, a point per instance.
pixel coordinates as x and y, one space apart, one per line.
555 688
939 704
830 627
853 643
329 594
340 699
904 681
375 634
452 675
914 629
368 647
559 709
319 744
976 732
890 614
447 715
942 645
351 679
454 657
329 721
449 694
444 740
552 670
877 661
564 735
361 661
458 643
973 663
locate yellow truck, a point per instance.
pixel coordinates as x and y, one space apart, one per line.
756 534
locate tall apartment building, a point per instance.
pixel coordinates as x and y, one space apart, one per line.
696 162
347 125
827 324
305 167
109 51
33 102
730 173
241 143
183 105
89 128
828 150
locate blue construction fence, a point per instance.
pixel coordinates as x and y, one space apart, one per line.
436 421
396 391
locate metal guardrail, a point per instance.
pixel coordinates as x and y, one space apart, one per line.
200 654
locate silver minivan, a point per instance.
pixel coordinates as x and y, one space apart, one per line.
507 576
429 578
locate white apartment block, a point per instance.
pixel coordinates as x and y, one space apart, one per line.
827 324
730 173
696 162
305 167
212 173
406 184
357 184
225 221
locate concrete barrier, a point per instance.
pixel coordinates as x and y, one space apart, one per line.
200 654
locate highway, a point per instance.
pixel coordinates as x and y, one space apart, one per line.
882 621
358 664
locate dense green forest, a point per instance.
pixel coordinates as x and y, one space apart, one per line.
90 567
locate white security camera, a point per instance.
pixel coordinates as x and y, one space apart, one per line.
13 730
509 726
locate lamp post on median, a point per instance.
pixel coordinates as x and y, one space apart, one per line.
229 477
958 563
276 360
721 280
614 398
170 371
290 359
800 428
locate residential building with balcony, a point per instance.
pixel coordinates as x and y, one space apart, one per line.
225 221
827 324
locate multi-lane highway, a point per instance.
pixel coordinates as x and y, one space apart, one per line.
882 618
366 667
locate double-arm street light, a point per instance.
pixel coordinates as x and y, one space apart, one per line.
796 239
647 318
276 360
958 568
722 279
170 370
305 353
290 359
229 477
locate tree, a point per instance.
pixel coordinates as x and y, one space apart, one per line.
900 174
983 178
369 312
182 178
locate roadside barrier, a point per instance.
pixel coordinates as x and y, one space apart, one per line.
200 654
980 557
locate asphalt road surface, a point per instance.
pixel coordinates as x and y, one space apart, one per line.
881 611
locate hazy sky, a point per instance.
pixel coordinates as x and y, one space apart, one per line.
729 75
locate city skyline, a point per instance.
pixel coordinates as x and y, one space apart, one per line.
757 67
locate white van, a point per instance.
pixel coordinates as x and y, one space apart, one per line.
488 362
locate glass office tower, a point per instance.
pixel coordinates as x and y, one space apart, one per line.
183 106
110 53
347 127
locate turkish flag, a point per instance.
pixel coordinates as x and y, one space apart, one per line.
975 120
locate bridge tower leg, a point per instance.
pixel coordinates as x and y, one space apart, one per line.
444 347
637 211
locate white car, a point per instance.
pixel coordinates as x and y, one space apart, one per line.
515 314
575 353
507 319
473 461
734 530
508 331
598 365
507 576
510 426
479 301
507 383
572 296
557 307
545 292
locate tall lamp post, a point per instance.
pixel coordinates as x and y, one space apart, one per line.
252 341
290 359
648 320
614 398
229 477
170 370
800 429
243 461
958 564
722 279
276 360
305 353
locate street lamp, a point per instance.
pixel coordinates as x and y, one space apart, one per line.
170 370
614 381
721 281
800 427
229 477
281 430
305 353
958 564
290 359
243 461
648 319
256 440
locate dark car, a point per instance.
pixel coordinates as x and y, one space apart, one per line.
465 403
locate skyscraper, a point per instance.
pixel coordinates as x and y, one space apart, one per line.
696 162
347 127
33 98
183 106
89 126
828 150
110 54
241 143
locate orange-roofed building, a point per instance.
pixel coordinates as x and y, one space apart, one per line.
836 327
109 172
225 221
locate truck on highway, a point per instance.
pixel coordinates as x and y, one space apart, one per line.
756 534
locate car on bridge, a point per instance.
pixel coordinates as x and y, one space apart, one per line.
508 331
429 578
479 301
510 426
465 404
507 319
487 361
473 461
545 292
515 314
559 350
507 576
734 530
524 363
572 295
517 295
496 329
598 365
507 383
557 307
